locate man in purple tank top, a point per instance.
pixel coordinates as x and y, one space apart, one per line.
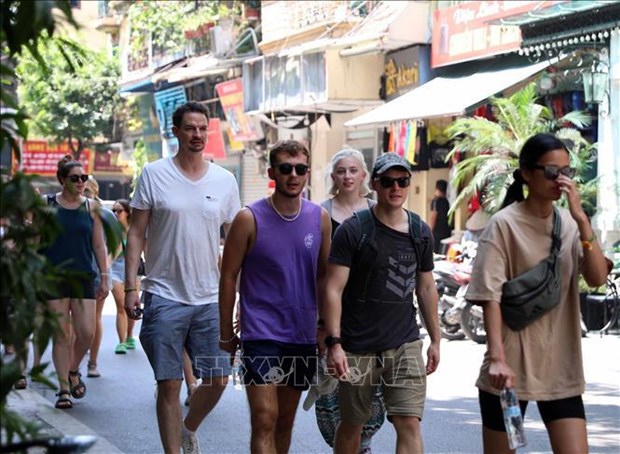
279 247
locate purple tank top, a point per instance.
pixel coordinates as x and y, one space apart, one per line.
278 278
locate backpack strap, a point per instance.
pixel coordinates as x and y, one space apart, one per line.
367 224
415 230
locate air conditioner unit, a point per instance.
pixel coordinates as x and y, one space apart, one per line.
221 40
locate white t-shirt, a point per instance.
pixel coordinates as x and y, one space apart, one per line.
184 229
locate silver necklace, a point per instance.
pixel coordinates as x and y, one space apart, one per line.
285 218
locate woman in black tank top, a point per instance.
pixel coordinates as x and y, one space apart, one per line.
81 237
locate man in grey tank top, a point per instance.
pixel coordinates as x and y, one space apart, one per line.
281 244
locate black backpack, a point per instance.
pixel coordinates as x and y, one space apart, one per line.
365 256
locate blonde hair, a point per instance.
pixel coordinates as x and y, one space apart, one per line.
92 185
349 153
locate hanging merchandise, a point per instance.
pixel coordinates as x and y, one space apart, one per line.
390 147
422 156
402 139
412 136
385 144
439 153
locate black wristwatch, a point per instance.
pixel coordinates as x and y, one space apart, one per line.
330 341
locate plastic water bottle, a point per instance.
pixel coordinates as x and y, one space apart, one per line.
513 420
237 371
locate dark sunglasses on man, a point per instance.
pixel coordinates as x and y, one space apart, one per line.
287 169
76 178
553 172
388 182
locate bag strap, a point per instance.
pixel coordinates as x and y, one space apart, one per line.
556 239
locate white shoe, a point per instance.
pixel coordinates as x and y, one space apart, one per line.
190 443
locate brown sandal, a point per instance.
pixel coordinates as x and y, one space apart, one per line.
78 391
63 402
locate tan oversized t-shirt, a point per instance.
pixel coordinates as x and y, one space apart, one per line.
546 355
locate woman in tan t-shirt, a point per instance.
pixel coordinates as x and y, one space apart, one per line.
542 361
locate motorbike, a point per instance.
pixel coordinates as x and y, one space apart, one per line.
472 321
449 278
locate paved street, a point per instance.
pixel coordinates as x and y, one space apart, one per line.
120 406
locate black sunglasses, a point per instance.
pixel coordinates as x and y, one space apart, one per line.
388 182
76 178
553 172
287 169
117 210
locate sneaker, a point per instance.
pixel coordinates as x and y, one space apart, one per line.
120 349
189 443
130 343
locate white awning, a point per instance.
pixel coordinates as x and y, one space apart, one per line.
446 96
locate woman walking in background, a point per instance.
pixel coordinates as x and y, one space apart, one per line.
124 325
80 239
542 361
349 175
91 190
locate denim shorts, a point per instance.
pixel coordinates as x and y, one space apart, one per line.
169 326
401 372
117 271
268 362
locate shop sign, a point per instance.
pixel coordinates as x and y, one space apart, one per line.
215 148
231 98
166 102
108 161
401 72
466 32
41 158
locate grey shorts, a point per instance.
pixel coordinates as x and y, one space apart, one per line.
169 326
401 372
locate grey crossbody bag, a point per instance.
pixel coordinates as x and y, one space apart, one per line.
532 294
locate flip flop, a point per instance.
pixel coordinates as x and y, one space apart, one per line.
63 403
77 391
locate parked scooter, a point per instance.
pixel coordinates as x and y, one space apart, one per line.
448 306
472 321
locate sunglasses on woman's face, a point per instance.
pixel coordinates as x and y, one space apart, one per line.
117 210
553 172
76 178
287 169
388 182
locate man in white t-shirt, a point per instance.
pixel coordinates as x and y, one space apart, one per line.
182 201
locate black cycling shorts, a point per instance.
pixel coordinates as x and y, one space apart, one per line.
550 410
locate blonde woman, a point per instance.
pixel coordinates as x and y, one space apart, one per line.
349 177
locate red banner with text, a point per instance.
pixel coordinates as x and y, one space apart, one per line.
41 158
472 30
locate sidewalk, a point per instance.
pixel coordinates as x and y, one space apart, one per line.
54 423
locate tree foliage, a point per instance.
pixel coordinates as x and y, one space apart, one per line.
25 274
492 147
74 96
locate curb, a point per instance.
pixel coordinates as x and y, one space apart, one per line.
31 405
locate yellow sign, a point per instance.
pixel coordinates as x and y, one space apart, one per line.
398 77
